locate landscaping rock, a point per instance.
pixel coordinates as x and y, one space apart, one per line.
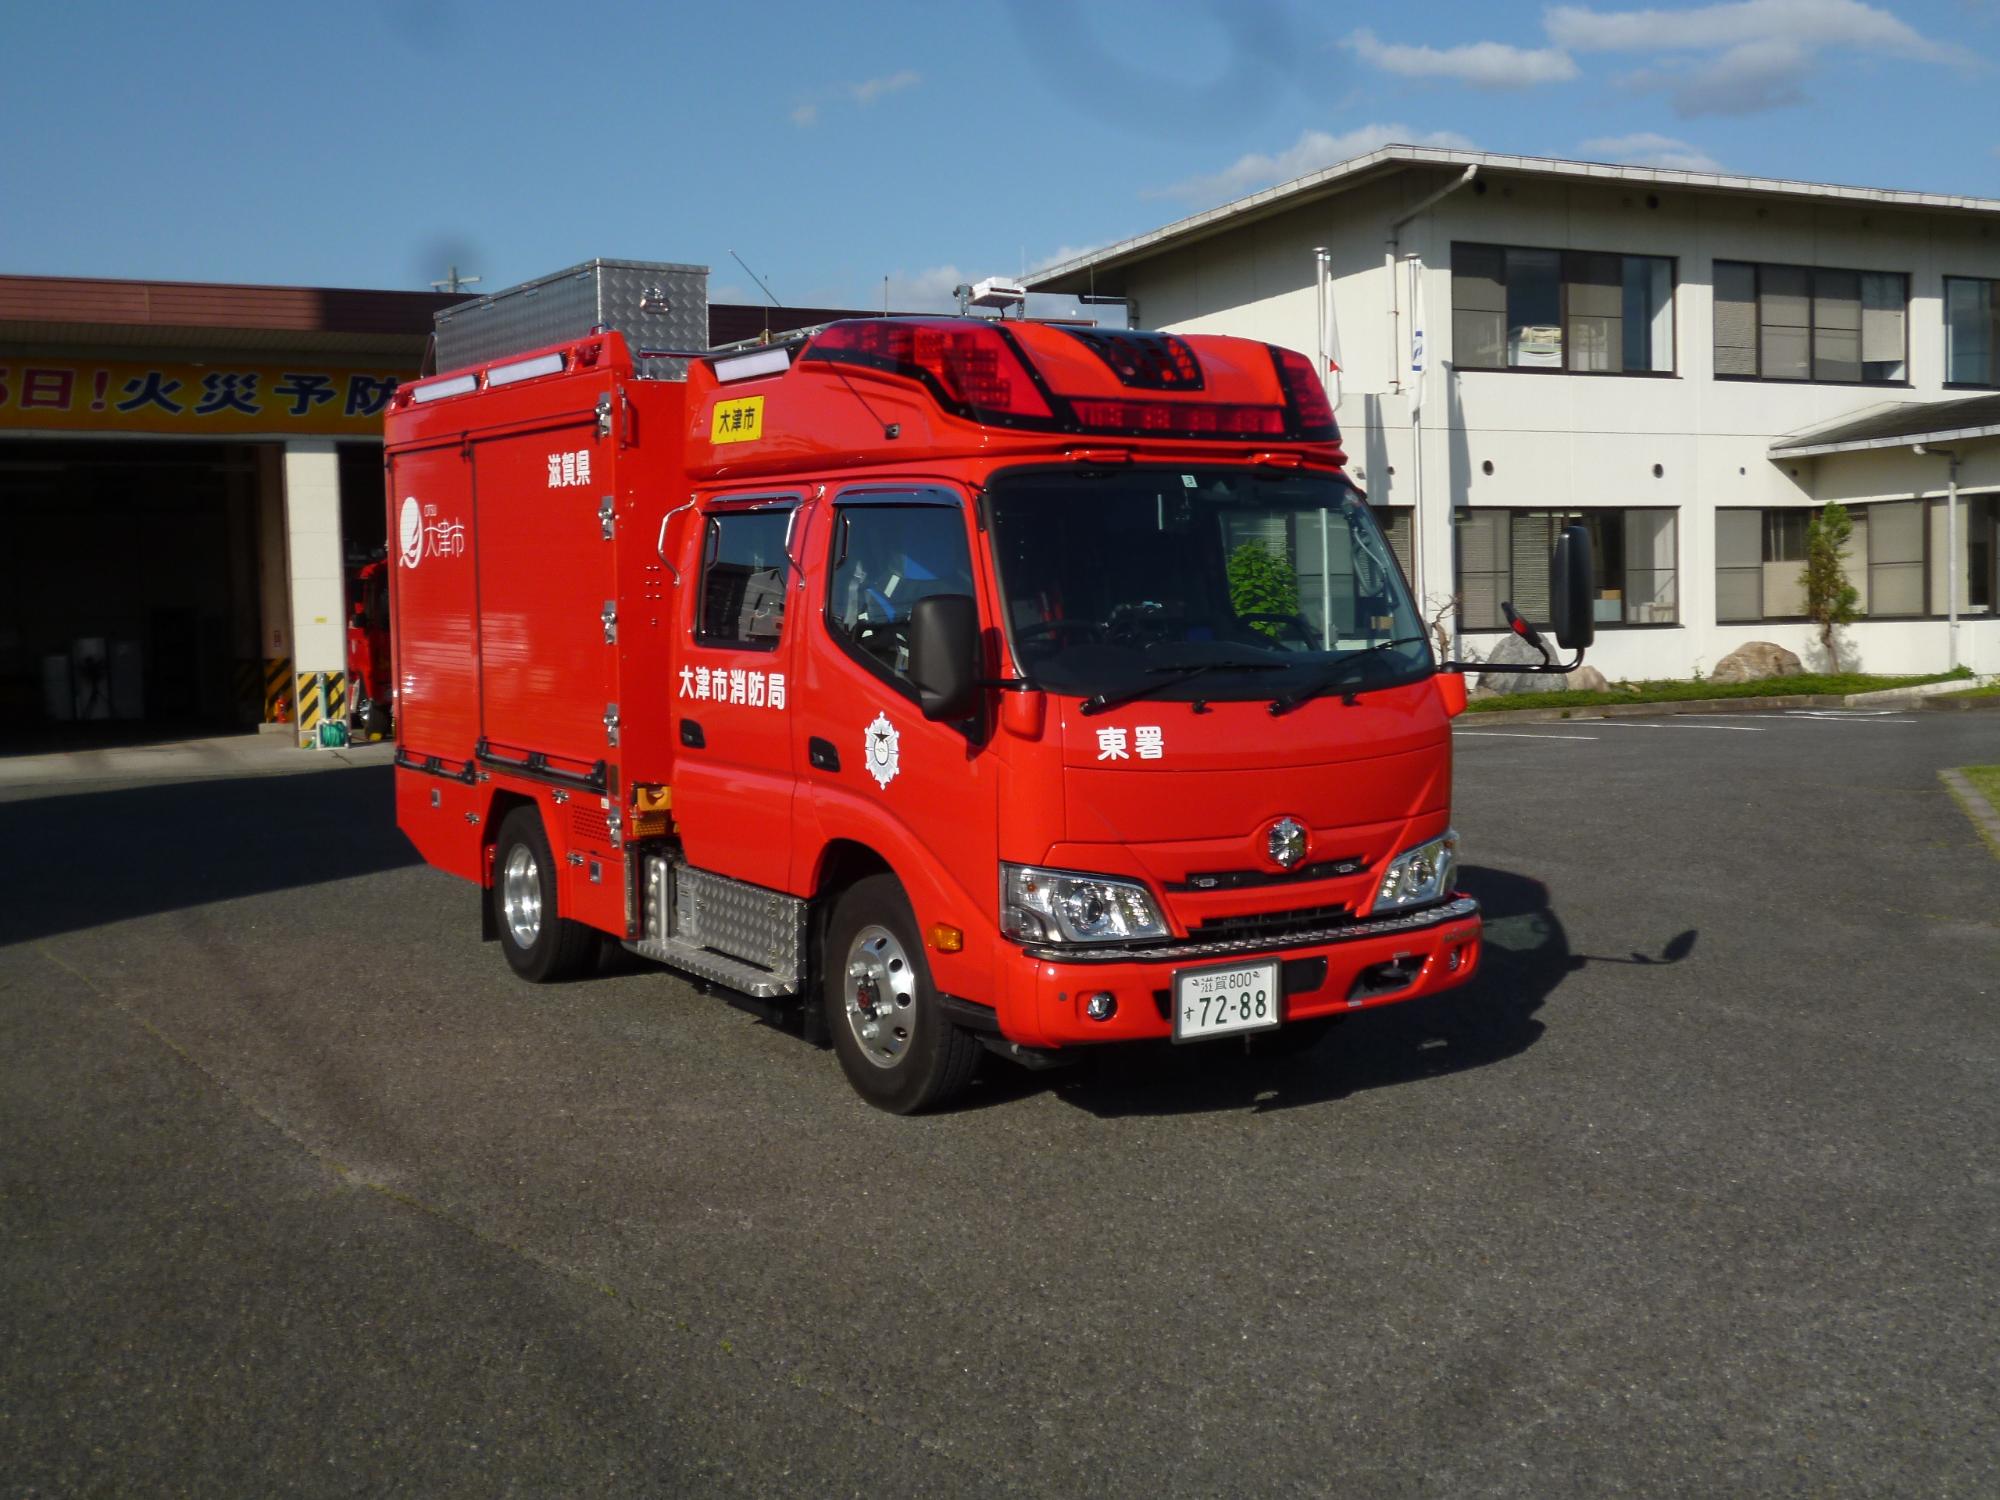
1586 679
1511 650
1754 661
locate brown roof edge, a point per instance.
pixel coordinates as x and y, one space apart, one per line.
195 304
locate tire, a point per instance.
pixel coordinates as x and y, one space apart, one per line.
894 1043
541 945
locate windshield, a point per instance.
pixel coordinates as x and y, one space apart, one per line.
1204 583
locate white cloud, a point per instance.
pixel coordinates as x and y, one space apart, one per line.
869 90
806 113
928 290
1649 150
1758 53
1487 65
1310 152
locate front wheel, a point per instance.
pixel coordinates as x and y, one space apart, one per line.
540 944
894 1044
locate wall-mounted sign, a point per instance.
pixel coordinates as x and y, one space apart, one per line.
191 400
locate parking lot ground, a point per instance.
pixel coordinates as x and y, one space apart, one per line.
1691 1191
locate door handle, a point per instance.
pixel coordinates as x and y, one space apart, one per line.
822 754
691 735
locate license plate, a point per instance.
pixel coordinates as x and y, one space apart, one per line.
1218 1002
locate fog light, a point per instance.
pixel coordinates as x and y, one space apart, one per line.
1453 959
1101 1006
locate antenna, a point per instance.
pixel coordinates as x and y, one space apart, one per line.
453 282
760 287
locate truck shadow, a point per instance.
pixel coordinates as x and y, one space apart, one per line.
1527 955
84 859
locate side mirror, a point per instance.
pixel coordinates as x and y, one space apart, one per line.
1573 590
944 655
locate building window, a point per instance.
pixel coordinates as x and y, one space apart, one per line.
1760 560
1810 323
743 579
1395 523
1504 555
1896 559
1971 331
1583 311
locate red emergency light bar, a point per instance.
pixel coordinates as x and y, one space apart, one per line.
1178 418
970 366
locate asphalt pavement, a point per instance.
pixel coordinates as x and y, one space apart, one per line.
1691 1192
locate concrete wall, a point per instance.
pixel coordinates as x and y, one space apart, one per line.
1558 440
313 550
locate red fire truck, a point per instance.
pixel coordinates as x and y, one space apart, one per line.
974 685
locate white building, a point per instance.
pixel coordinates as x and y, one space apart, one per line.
1689 363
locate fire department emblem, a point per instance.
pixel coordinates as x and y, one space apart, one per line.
1286 843
883 746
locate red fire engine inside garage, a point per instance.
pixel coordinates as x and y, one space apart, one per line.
191 488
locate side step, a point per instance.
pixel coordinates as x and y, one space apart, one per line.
726 931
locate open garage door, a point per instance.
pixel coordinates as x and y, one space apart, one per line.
128 584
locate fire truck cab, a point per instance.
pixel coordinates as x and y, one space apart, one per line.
974 685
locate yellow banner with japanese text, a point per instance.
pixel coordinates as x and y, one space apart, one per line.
216 399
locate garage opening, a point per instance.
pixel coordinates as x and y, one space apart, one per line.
128 586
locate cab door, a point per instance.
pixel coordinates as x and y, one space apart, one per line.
920 794
734 688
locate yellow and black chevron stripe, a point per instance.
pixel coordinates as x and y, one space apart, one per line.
277 686
322 698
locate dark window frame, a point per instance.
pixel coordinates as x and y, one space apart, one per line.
732 507
1812 274
1576 514
1563 255
883 497
1992 382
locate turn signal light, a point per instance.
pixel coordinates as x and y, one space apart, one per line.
946 938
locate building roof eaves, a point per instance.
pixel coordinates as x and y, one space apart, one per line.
1345 174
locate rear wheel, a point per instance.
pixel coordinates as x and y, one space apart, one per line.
894 1043
540 944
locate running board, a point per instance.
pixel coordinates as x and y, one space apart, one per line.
717 968
723 930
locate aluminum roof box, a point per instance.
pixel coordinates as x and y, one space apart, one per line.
655 304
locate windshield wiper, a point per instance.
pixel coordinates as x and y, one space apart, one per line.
1172 676
1326 683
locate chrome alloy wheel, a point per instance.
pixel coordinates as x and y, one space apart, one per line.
521 896
881 994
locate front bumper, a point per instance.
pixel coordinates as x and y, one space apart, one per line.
1328 971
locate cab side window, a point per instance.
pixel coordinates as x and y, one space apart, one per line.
886 558
743 579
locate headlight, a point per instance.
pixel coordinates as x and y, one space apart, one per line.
1420 875
1060 906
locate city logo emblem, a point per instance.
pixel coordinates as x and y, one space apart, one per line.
410 532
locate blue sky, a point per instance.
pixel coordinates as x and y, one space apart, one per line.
831 146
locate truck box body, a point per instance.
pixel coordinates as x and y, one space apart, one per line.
676 625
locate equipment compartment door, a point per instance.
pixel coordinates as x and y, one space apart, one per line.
547 583
436 632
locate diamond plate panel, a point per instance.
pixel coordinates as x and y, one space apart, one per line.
694 917
655 304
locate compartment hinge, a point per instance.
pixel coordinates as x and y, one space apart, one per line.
611 724
607 517
609 616
603 415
